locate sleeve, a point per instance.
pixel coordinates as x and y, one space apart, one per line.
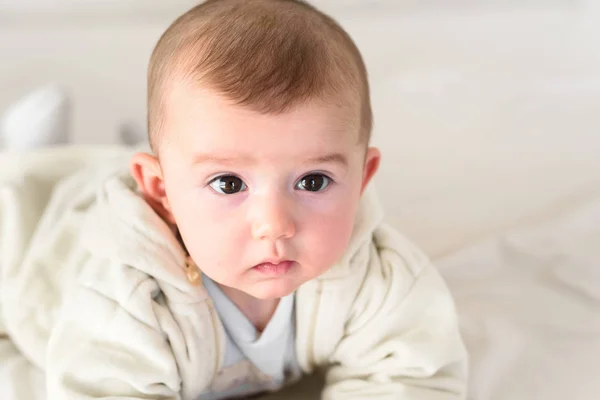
111 348
402 339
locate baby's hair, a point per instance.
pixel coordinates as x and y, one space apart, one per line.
267 55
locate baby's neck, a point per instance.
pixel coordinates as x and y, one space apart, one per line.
258 311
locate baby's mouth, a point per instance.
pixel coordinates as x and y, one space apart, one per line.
275 269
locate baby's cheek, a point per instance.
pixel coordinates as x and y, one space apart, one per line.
217 240
203 232
330 235
216 251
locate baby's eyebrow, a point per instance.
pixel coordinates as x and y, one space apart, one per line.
335 158
204 158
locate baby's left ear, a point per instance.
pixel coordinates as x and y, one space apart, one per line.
147 173
372 161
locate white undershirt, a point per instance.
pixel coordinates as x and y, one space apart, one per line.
253 363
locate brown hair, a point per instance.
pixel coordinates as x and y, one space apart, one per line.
268 55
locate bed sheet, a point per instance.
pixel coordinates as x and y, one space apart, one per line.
529 304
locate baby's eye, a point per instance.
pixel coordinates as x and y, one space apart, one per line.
227 184
314 183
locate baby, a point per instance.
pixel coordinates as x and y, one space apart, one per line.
245 250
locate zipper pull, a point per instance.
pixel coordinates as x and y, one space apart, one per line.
192 271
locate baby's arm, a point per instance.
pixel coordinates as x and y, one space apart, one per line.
110 348
403 340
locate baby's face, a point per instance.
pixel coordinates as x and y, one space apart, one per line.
263 203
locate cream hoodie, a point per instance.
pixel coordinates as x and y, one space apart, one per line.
94 291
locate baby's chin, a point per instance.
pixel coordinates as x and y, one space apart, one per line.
271 289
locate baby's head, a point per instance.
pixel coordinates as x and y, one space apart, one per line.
259 118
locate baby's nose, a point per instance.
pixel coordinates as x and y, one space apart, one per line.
273 220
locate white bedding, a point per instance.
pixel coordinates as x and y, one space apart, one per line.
529 303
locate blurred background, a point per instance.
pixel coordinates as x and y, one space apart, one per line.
487 111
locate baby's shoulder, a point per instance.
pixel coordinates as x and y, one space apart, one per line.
108 289
395 250
116 281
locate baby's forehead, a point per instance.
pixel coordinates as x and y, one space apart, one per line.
198 107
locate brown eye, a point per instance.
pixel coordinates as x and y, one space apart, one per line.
314 183
228 184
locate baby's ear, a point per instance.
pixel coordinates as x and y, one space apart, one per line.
147 173
372 161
